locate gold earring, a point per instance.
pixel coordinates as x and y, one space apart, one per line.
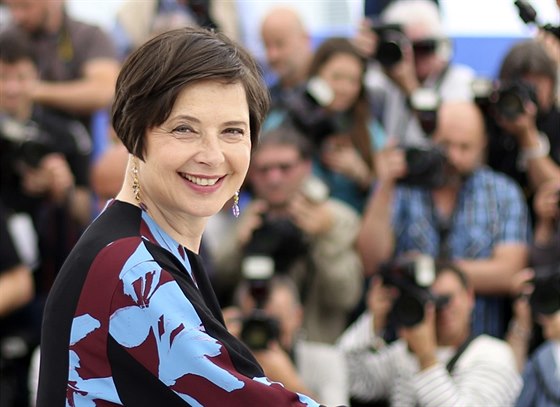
136 184
235 206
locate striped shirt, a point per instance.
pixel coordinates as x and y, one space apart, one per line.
490 210
484 375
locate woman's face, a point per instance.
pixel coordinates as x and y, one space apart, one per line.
343 73
198 158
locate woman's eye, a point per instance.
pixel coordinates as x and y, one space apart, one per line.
234 132
182 129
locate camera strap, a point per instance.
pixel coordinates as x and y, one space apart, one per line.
443 228
451 364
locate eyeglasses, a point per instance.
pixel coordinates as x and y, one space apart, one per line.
424 47
284 168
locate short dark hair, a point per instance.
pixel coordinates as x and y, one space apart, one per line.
444 266
152 77
15 47
361 110
287 135
527 57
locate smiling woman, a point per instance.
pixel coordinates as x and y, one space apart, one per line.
132 318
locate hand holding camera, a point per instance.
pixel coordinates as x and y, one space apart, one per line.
380 299
390 163
421 338
396 55
52 177
313 218
422 166
521 123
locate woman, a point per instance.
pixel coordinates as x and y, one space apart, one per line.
132 319
340 121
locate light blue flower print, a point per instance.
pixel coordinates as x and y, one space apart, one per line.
82 326
162 310
83 392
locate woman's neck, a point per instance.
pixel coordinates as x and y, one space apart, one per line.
187 231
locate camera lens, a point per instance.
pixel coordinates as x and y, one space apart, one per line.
408 310
389 53
259 329
510 104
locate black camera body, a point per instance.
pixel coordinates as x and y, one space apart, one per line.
504 99
308 112
392 40
425 167
510 98
258 328
545 298
23 142
413 279
280 239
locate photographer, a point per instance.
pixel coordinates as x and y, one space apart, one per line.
409 52
524 120
541 379
543 255
44 175
45 163
475 217
309 235
436 361
320 368
333 111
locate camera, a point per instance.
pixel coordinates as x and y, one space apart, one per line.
505 99
258 329
308 111
392 40
425 166
510 98
529 16
279 238
412 277
23 142
545 298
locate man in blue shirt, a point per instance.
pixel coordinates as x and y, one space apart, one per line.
476 218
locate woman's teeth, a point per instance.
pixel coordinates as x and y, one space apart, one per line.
200 181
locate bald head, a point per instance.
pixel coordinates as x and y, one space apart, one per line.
460 129
284 18
287 44
462 117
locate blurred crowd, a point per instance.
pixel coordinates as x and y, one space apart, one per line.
399 235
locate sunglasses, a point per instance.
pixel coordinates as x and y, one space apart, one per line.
282 167
424 47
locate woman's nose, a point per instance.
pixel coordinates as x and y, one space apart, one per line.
210 151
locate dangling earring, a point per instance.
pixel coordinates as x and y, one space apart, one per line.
136 184
235 206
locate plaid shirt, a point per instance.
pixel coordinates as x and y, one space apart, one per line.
490 210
